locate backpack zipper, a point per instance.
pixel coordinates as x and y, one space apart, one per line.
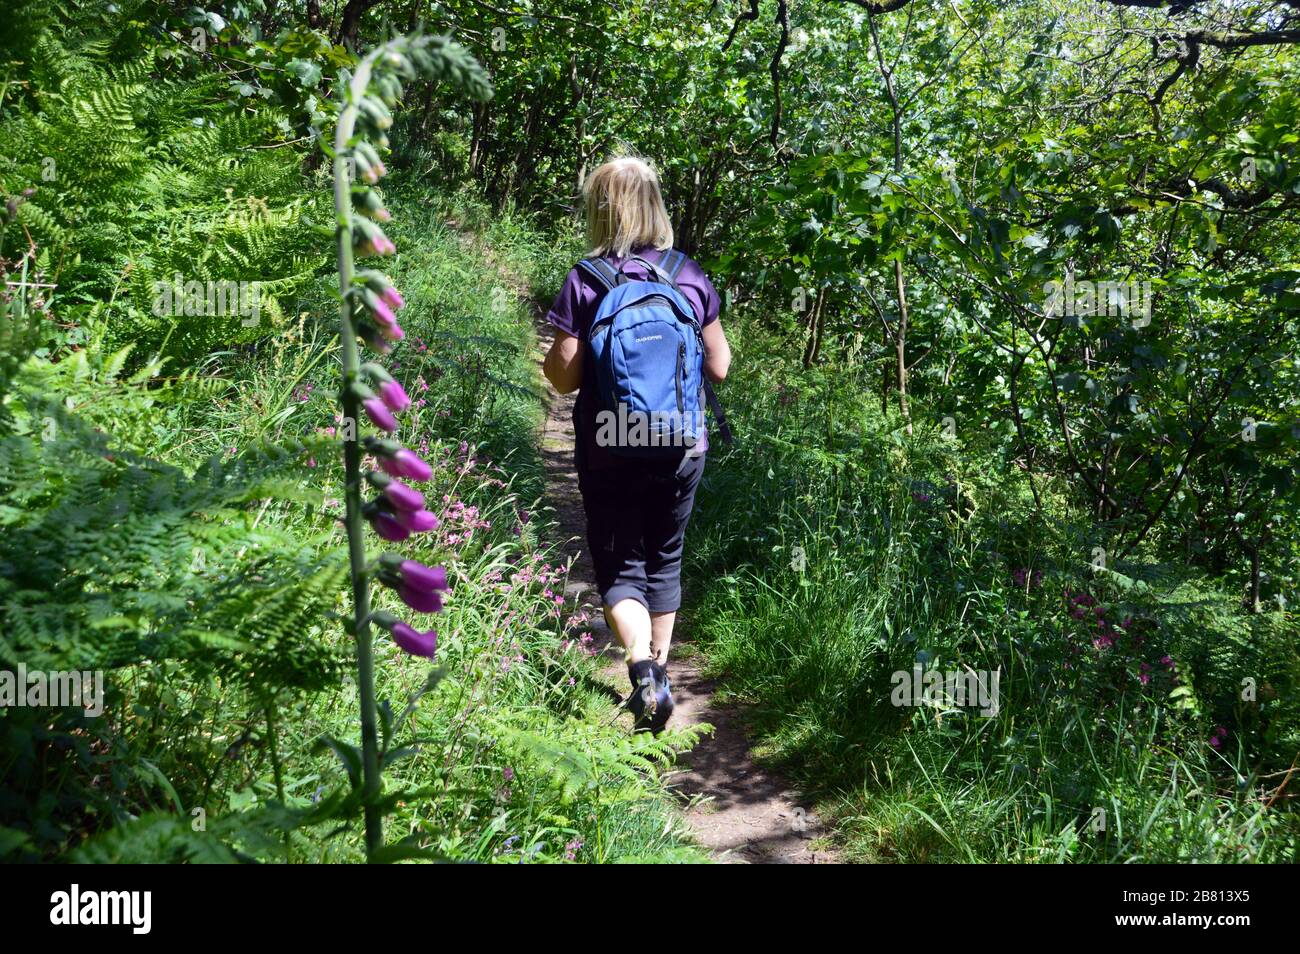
681 375
649 301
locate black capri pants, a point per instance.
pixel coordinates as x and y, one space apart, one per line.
637 511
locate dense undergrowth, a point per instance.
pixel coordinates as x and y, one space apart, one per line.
170 505
170 474
832 550
204 600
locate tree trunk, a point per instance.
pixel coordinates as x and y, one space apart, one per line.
479 113
1253 596
816 328
579 127
350 26
268 16
900 341
425 110
900 286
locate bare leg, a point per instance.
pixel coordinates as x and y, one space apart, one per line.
661 635
631 624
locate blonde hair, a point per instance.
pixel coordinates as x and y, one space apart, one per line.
625 208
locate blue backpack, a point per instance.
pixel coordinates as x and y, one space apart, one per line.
648 351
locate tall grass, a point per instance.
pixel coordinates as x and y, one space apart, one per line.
832 550
523 757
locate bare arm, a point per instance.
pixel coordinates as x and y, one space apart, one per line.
563 364
717 353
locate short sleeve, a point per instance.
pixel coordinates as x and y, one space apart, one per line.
566 310
712 301
695 284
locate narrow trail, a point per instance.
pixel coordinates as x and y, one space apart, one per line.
740 811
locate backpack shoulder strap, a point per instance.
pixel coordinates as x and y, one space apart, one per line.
665 271
603 272
655 270
711 397
672 262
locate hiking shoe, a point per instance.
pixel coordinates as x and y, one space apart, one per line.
651 700
641 701
644 698
663 699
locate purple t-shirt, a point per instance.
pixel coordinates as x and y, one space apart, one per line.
572 313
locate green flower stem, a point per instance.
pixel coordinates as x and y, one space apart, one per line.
352 465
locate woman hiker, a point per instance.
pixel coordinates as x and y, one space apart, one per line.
637 334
